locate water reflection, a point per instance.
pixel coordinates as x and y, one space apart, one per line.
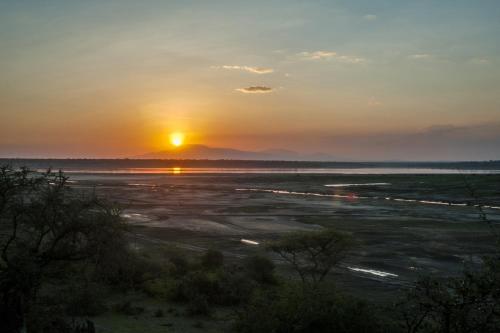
354 171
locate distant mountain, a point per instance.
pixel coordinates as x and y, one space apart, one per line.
202 152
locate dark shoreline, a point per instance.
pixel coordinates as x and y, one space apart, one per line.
158 163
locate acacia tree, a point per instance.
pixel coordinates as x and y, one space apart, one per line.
44 226
469 303
312 254
465 304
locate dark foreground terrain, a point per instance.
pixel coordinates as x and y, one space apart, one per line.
404 225
249 252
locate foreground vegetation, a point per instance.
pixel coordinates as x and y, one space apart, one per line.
67 259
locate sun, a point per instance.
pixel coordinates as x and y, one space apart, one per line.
177 139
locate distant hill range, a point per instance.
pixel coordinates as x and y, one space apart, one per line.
201 152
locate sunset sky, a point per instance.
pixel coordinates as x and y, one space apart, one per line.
360 80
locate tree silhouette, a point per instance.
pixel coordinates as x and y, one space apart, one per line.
44 226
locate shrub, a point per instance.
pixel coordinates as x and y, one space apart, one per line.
260 269
159 313
125 269
128 309
212 259
49 317
235 287
87 301
198 324
199 283
179 264
294 309
198 305
163 288
467 303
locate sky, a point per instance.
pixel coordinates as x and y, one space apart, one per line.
359 80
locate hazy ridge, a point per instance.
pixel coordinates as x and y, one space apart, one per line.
203 152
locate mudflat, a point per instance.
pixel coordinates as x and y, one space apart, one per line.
403 224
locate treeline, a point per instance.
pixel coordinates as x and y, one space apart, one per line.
63 252
165 163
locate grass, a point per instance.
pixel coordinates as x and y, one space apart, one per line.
173 319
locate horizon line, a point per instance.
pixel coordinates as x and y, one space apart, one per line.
244 160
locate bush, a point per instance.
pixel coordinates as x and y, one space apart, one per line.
228 287
179 265
125 269
198 305
260 269
163 288
85 302
212 259
128 309
200 283
293 309
47 317
466 303
235 287
159 313
198 324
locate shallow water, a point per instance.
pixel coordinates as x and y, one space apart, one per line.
347 171
354 196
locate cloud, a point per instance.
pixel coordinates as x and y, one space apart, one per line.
438 142
351 59
249 69
255 90
330 55
373 102
317 55
480 61
370 17
420 56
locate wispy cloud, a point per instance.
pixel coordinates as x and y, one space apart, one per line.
370 17
374 102
480 61
420 56
330 55
351 59
317 55
249 69
255 90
